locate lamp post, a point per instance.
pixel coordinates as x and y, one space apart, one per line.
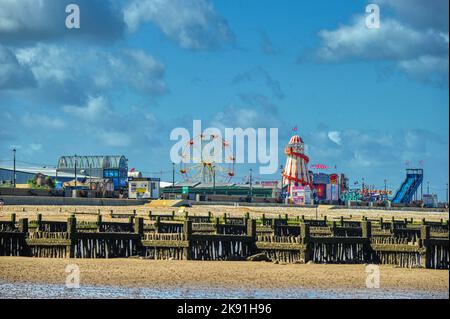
428 188
214 179
251 186
90 176
14 168
173 176
75 168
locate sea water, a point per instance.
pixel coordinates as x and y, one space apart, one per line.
54 291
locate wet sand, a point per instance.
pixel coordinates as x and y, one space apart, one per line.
137 273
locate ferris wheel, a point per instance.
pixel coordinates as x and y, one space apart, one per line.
202 157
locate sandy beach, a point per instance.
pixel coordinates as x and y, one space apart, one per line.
88 213
135 273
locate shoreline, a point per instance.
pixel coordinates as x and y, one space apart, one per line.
173 274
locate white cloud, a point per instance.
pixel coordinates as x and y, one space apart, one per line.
35 147
335 136
93 111
43 121
61 69
354 148
392 41
29 21
193 24
13 74
114 138
415 43
49 62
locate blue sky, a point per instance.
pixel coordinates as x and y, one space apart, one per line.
365 100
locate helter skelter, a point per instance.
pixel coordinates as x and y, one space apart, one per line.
296 171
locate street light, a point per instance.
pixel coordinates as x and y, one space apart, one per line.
173 176
214 179
251 189
14 168
75 167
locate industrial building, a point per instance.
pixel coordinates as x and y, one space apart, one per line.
143 188
113 167
192 190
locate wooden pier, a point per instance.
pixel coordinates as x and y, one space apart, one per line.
404 243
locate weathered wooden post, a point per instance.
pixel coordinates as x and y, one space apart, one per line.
305 253
217 222
247 215
23 225
72 230
423 243
13 218
274 222
131 220
366 229
134 212
342 221
333 228
224 218
39 222
325 219
263 219
251 232
186 215
139 226
251 227
150 215
173 215
187 230
157 223
72 224
99 223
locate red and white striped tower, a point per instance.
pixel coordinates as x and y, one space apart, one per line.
296 171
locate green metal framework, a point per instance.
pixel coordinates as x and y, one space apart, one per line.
93 162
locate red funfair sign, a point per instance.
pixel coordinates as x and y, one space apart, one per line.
319 166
